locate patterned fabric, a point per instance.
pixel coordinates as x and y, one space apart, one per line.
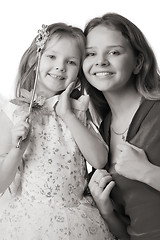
47 201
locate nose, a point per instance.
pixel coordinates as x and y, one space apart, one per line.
102 61
60 68
60 65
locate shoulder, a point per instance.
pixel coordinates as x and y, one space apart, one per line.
150 109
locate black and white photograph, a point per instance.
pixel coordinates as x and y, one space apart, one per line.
80 120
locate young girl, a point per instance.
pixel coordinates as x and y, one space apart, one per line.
123 76
42 152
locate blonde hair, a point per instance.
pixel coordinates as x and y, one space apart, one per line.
26 72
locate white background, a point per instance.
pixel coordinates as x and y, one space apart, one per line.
20 20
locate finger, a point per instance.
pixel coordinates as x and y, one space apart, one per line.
92 180
94 177
101 175
104 181
108 189
26 125
93 183
98 174
25 117
134 147
22 125
70 88
99 181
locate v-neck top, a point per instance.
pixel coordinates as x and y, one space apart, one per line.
139 202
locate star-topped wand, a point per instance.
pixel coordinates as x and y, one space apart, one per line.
41 39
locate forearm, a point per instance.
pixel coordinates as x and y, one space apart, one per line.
116 226
91 147
8 168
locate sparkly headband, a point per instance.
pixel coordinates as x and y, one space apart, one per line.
42 37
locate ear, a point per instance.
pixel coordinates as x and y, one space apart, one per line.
139 64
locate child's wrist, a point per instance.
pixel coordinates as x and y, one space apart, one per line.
108 214
107 211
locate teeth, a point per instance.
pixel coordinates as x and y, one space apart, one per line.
102 74
56 76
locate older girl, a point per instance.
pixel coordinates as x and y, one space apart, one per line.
124 84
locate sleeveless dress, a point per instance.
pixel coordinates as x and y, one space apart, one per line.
47 201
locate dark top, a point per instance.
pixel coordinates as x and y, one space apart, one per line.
138 202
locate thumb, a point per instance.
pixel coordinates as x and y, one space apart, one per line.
109 188
134 147
70 88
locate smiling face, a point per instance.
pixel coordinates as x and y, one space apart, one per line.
109 61
59 65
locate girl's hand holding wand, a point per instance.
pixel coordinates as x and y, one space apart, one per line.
21 132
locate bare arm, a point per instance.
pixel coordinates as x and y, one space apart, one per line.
91 147
10 156
133 163
100 186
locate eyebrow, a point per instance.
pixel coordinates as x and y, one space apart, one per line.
52 52
110 46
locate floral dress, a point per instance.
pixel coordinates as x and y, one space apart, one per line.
47 200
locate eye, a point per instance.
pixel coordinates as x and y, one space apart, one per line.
70 62
51 56
114 52
90 54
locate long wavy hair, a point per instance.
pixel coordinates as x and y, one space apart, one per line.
148 79
26 72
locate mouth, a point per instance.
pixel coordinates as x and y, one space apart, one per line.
59 77
102 74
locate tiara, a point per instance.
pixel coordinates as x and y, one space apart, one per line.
42 37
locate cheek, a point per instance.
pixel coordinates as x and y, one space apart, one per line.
126 65
42 68
74 74
85 66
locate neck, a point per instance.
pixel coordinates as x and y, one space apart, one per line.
123 106
43 92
